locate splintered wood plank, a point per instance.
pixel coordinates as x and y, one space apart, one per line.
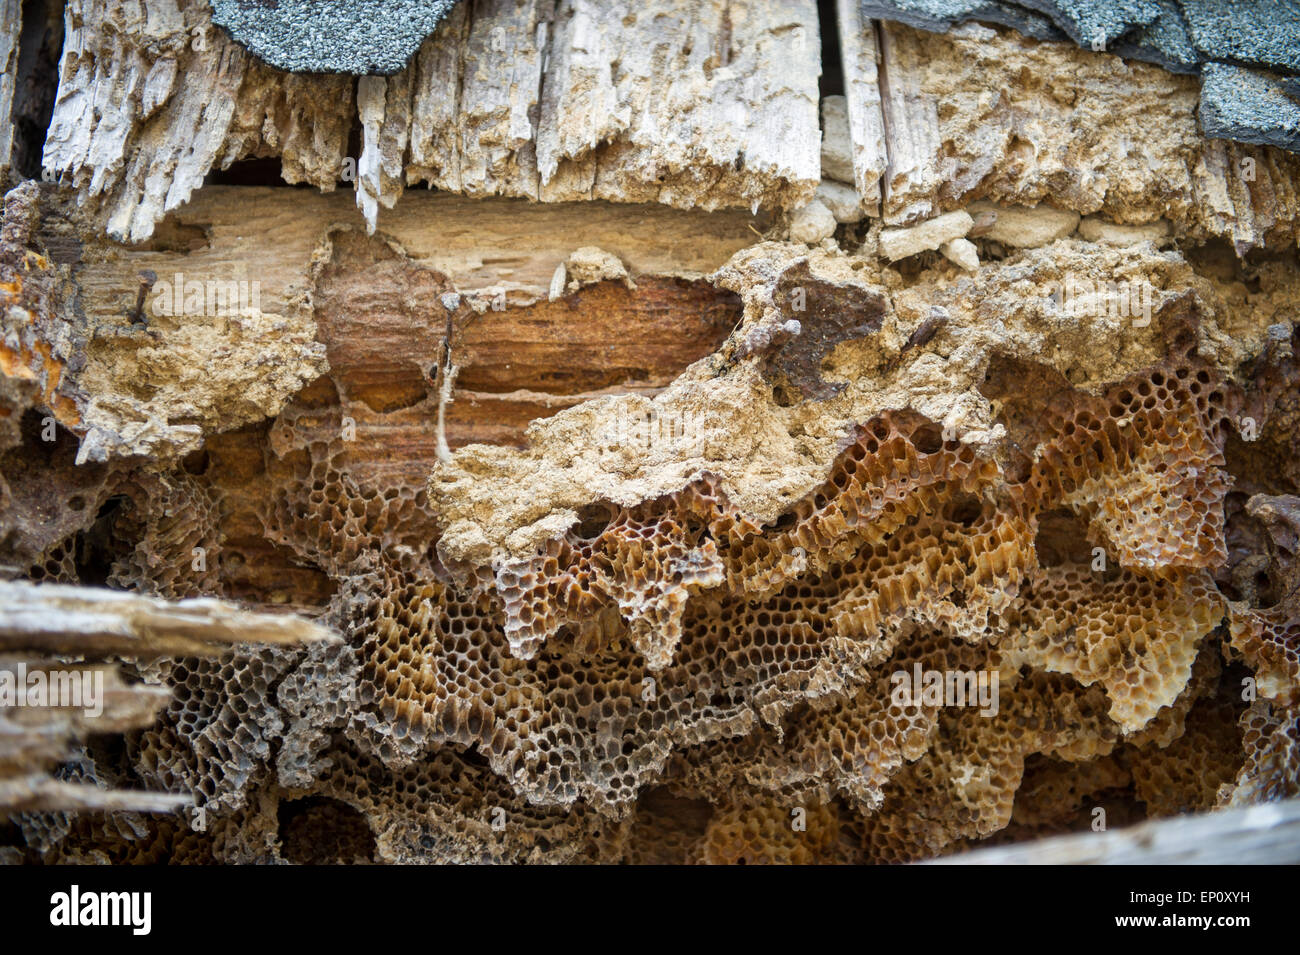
61 618
860 54
709 105
10 28
911 125
1268 834
152 97
476 93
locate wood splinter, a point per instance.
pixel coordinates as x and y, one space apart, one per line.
443 379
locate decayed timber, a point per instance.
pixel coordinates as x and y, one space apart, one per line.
34 740
911 120
960 122
860 51
56 618
706 105
1258 835
151 98
10 29
702 106
319 276
697 106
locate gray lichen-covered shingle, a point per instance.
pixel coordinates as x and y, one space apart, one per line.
938 15
1089 22
1165 41
332 36
1248 106
1255 32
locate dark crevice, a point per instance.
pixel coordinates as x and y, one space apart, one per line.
832 78
100 547
402 392
882 81
250 172
196 462
593 519
965 509
928 438
352 157
40 44
172 235
319 830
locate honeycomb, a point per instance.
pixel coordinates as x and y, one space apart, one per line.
676 680
1269 639
219 727
1271 739
747 666
768 835
1137 637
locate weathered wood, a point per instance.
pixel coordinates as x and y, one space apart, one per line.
516 363
911 123
710 106
961 121
473 117
481 247
1267 834
35 738
109 88
703 107
58 618
860 53
500 255
10 30
152 97
43 794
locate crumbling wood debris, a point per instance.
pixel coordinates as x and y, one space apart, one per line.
48 709
56 618
1257 835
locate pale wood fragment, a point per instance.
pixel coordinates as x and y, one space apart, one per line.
66 619
1267 834
911 126
10 30
860 54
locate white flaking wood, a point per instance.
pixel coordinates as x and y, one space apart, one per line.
860 54
709 105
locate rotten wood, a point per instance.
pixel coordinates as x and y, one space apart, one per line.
1267 834
59 618
532 98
